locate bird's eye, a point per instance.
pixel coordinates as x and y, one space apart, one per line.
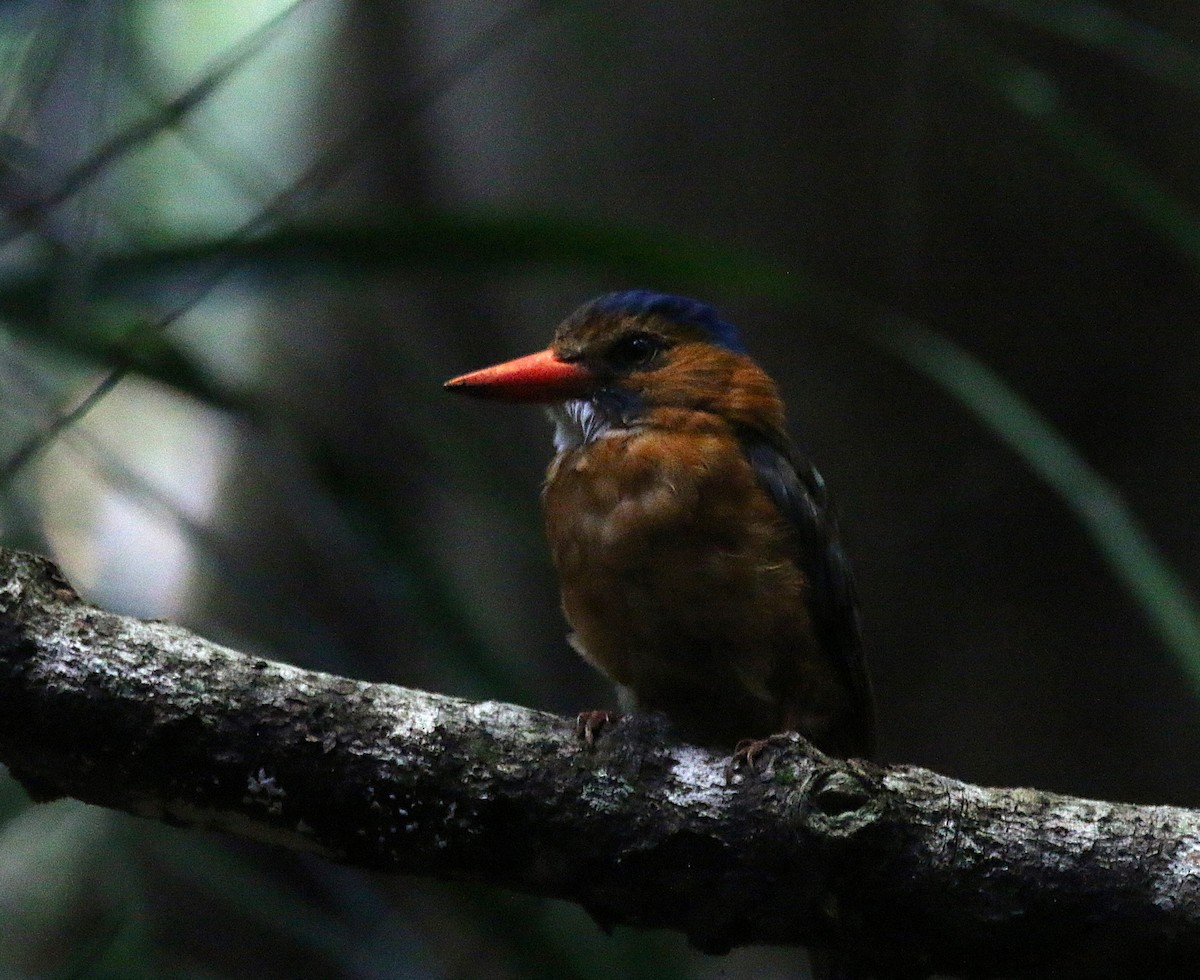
633 350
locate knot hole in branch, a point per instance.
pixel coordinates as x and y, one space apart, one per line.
837 803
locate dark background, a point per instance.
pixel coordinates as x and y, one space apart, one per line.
360 200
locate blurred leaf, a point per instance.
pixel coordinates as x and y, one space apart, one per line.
13 799
1036 95
500 243
170 114
125 952
50 858
1153 52
1161 593
235 882
103 342
594 954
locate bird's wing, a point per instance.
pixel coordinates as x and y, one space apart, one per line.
799 492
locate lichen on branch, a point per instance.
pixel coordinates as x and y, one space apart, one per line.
902 869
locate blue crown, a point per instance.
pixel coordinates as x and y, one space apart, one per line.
677 309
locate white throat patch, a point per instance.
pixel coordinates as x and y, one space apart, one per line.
578 422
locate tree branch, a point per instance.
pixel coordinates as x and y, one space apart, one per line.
909 870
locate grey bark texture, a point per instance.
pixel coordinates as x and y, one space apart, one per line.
904 871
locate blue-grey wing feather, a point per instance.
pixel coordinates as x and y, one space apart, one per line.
798 491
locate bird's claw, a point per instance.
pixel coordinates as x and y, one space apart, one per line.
589 723
747 751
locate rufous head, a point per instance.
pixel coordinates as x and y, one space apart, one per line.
643 348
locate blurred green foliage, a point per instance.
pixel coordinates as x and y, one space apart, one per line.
494 245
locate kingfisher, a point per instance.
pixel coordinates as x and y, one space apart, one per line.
697 550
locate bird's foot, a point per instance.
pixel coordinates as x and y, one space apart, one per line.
589 723
747 751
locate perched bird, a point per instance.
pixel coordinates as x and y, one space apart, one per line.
696 549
